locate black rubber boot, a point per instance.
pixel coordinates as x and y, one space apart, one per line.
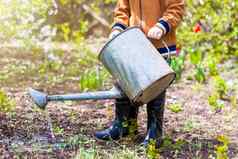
155 113
125 122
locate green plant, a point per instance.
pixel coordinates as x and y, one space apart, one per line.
212 66
86 153
176 108
6 104
151 150
78 141
195 56
200 74
222 150
189 125
169 144
93 78
57 130
220 90
179 144
220 86
48 66
177 64
215 103
124 153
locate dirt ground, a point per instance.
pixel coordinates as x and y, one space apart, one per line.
190 133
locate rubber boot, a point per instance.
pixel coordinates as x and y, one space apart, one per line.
155 114
125 121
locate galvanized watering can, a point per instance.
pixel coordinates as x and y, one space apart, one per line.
139 69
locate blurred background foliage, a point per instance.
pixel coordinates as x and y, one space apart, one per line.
209 27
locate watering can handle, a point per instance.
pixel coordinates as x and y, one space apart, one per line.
166 46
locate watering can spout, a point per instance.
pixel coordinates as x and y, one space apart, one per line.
39 98
42 99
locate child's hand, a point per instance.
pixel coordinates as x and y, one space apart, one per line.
114 33
155 33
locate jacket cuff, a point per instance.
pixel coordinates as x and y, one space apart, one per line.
164 25
119 26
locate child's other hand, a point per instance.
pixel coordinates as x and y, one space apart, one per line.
114 33
155 33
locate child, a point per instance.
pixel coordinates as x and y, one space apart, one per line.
158 19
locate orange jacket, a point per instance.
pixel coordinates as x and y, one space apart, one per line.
166 14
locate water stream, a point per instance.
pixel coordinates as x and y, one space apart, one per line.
40 141
51 134
50 131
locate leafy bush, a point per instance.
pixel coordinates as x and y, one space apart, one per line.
209 34
218 25
24 22
34 23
